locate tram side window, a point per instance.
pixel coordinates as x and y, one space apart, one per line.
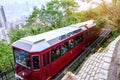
46 59
78 39
71 43
92 32
36 64
84 35
81 38
55 53
64 48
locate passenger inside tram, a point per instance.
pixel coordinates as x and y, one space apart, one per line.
63 49
71 43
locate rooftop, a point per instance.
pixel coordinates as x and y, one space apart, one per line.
42 41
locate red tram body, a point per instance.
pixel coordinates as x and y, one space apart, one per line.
42 56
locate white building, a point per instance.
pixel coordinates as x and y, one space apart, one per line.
18 24
3 25
3 21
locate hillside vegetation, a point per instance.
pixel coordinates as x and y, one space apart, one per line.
60 13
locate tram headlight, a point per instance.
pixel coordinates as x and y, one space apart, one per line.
18 77
23 73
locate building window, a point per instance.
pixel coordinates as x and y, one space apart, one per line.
36 62
0 25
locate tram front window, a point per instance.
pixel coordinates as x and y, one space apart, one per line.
22 58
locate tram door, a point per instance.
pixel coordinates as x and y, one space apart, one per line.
46 66
36 67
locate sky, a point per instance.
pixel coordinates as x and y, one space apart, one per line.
91 4
19 9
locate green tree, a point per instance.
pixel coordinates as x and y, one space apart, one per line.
113 14
55 13
5 54
101 22
50 17
33 16
17 34
69 7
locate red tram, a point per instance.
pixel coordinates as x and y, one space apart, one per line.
42 56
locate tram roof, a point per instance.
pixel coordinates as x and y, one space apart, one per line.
42 41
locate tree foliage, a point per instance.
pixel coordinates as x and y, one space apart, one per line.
101 22
114 14
60 13
5 54
33 16
16 34
55 13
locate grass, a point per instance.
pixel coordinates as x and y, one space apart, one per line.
112 37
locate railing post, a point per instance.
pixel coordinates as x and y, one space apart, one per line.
6 76
1 75
12 65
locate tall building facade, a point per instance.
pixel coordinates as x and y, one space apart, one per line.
3 25
3 21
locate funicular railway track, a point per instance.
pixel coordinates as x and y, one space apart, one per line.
73 66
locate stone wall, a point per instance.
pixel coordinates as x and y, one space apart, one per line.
101 65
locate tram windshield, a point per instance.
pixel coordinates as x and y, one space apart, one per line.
22 58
